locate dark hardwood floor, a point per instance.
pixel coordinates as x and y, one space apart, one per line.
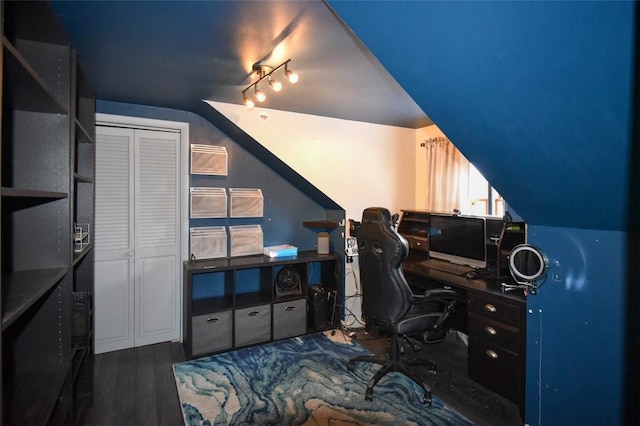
136 386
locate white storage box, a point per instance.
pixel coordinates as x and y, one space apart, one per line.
246 202
209 160
208 242
246 240
208 202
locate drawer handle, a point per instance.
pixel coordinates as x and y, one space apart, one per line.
289 308
492 354
253 313
212 319
490 330
489 307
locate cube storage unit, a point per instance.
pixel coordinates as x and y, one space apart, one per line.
48 158
234 302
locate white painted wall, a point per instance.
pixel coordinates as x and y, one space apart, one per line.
356 164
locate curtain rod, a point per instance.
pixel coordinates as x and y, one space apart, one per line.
434 139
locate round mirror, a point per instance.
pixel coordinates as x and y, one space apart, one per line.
527 263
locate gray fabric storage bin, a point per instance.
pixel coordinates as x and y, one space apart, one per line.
253 325
289 319
211 332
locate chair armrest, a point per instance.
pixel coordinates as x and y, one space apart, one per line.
449 300
442 295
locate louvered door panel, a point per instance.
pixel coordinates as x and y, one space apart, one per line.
157 245
157 196
113 192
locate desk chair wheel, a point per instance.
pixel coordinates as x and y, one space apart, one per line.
368 395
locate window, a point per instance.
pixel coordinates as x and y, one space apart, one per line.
453 183
482 198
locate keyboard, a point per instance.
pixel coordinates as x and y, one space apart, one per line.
445 266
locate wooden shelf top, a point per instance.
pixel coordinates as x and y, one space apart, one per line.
322 224
22 289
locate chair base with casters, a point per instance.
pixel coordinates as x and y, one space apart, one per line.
394 363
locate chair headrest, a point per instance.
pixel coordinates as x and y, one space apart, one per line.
377 215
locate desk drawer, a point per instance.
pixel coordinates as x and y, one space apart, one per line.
495 332
418 243
495 367
496 309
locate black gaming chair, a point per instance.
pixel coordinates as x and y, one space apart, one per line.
388 304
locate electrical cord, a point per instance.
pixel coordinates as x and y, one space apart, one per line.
350 313
354 296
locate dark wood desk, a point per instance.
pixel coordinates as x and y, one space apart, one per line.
494 321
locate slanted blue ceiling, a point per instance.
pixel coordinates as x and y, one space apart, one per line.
536 94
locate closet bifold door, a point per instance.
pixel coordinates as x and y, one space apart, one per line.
137 244
35 219
114 261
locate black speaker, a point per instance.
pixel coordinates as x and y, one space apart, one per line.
320 306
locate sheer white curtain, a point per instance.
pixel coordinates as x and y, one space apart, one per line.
447 176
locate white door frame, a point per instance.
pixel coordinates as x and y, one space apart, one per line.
183 129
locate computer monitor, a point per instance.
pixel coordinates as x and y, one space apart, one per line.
458 239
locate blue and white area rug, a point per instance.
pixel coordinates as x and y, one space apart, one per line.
300 381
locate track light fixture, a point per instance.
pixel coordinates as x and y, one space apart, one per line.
265 72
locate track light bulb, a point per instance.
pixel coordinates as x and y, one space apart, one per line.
275 85
249 102
291 76
260 96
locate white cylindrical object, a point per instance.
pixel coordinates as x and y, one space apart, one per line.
323 243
